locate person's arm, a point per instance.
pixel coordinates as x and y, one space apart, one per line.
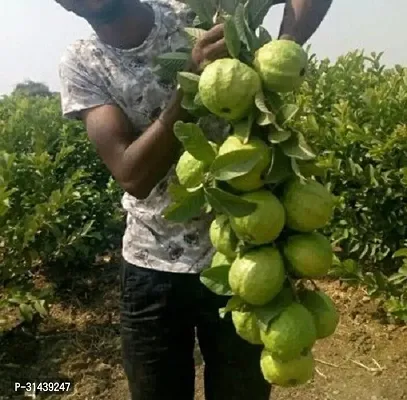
302 18
137 164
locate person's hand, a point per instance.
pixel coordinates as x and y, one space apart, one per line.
209 47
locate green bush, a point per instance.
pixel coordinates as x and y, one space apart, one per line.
58 204
355 114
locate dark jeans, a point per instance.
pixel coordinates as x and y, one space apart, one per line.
160 314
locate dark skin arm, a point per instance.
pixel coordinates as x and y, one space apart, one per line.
139 164
302 18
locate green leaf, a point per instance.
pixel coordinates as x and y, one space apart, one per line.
295 168
188 102
232 39
229 204
264 36
310 168
273 101
194 141
241 23
188 81
205 10
280 167
217 280
276 136
266 117
175 61
400 253
165 74
186 208
257 11
39 305
194 34
229 5
234 303
26 312
286 113
268 313
243 128
296 147
234 164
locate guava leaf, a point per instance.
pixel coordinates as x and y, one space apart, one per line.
187 207
310 168
175 61
266 314
400 253
217 280
232 39
40 307
260 102
296 169
243 128
188 102
234 303
273 101
165 74
277 136
194 34
204 9
194 141
286 113
198 100
229 5
280 167
26 312
241 23
234 164
297 147
188 81
264 36
257 11
229 204
267 116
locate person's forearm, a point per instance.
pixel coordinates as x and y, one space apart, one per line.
302 18
149 158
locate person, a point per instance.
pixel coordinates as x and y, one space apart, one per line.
107 81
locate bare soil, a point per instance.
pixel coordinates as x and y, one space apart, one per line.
365 360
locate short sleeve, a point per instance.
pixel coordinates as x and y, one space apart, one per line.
81 89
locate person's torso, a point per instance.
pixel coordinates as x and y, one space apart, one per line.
150 240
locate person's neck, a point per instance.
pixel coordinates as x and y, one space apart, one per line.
130 30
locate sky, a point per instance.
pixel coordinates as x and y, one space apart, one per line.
34 34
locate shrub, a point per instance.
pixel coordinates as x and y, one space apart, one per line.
58 204
355 114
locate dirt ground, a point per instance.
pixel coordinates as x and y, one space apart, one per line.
365 360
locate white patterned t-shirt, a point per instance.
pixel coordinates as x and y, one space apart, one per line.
92 74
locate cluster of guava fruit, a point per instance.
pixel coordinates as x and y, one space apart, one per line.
266 202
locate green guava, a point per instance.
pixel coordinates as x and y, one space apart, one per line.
246 326
309 206
291 373
219 259
227 88
190 171
291 334
265 224
282 65
323 309
253 180
309 255
257 276
222 236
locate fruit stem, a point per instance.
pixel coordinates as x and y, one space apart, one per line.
294 289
